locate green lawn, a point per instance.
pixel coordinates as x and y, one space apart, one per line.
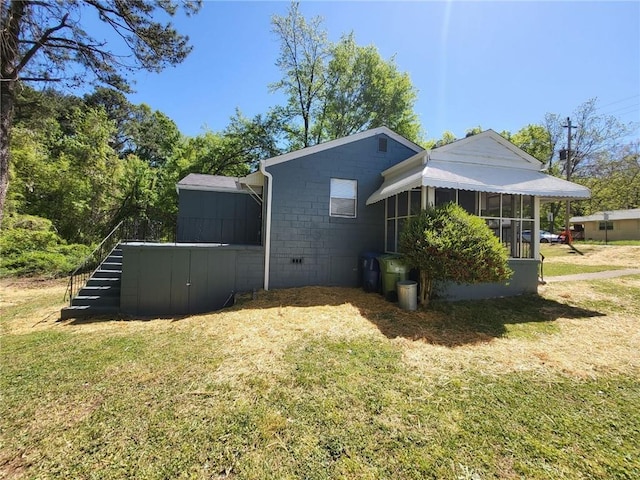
611 242
566 260
556 269
330 383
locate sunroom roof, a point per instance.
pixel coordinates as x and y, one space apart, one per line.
491 165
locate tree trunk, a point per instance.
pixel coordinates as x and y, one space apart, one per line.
6 121
426 286
8 59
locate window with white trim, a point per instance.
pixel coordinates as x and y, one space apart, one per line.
344 198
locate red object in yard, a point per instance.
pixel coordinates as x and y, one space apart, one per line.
565 237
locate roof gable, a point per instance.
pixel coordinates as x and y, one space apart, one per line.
486 148
485 162
343 141
629 214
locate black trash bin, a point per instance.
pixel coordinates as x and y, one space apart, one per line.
370 271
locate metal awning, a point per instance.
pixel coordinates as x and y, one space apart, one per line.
479 178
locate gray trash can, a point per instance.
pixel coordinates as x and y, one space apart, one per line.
407 294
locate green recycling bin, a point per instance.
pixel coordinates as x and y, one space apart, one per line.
392 271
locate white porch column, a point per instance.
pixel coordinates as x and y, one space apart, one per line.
535 233
430 196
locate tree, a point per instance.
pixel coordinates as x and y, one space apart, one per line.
337 89
303 51
614 180
364 91
68 175
43 41
448 244
119 110
535 140
150 135
595 134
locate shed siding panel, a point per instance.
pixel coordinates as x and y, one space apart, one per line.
176 279
218 217
309 247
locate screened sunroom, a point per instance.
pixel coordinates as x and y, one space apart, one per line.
507 215
489 177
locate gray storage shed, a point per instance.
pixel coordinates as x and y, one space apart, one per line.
180 279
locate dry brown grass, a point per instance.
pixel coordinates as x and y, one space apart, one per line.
255 334
620 256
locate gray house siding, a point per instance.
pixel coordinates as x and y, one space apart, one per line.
309 247
524 280
218 217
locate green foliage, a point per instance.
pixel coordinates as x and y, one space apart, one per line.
303 50
362 90
47 41
30 246
535 140
151 135
614 180
335 90
53 42
67 174
448 244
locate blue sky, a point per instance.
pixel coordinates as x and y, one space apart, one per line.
500 65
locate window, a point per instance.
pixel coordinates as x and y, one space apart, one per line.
508 216
400 208
382 144
343 198
605 225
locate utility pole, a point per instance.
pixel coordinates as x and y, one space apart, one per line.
569 165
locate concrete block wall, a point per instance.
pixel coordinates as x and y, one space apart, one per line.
308 247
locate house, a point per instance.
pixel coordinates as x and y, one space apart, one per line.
306 217
610 225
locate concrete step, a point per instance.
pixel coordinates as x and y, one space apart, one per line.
96 300
100 290
83 311
111 266
113 281
107 273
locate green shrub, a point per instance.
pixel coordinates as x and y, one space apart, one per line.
448 244
30 246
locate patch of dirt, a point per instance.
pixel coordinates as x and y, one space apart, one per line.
13 467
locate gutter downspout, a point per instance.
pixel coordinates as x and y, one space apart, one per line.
267 227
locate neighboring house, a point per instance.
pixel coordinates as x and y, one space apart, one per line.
610 225
306 217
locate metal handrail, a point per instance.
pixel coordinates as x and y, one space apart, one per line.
81 275
129 229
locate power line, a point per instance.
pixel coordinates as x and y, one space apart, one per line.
618 101
631 103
